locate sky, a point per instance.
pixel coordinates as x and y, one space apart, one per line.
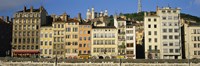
73 7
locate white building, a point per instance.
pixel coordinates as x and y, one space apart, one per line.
192 40
165 25
126 38
104 42
130 41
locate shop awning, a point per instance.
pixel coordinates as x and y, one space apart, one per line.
26 51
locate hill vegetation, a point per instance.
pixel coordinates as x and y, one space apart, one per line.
140 16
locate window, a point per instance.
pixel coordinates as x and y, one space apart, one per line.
170 24
176 37
195 52
150 48
68 29
164 18
80 45
84 45
156 47
164 36
67 36
50 43
149 33
88 38
67 50
149 39
149 19
175 30
198 52
155 20
84 38
155 26
81 31
155 40
164 30
195 45
171 50
75 29
88 32
80 38
170 44
165 44
149 26
164 24
155 32
170 30
176 50
170 37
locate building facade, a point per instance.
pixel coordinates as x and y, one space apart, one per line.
120 24
192 38
166 23
46 42
130 41
26 32
104 42
152 36
72 38
6 36
84 40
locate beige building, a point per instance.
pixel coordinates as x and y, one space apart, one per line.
84 40
26 32
46 41
104 42
192 40
72 38
163 34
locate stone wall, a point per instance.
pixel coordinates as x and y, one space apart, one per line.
93 64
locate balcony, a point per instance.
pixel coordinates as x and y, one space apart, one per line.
121 33
154 51
121 39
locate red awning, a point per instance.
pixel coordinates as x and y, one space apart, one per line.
26 51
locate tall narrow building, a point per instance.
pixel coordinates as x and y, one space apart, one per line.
163 34
26 31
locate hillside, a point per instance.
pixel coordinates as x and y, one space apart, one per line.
140 16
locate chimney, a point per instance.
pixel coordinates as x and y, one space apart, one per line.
7 19
24 9
31 9
2 17
145 13
79 17
41 8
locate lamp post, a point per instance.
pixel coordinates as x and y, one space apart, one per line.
188 55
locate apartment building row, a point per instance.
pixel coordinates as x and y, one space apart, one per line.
34 35
166 36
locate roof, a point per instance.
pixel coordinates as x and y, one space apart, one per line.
84 23
194 24
100 27
121 19
28 10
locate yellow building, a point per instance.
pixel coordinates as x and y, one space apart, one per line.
71 40
46 42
